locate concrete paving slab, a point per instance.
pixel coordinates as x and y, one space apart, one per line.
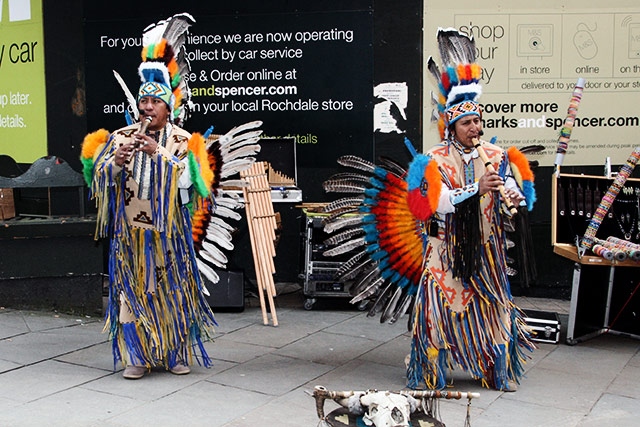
329 349
12 323
294 409
33 321
362 375
6 365
369 327
270 336
7 404
43 379
540 353
614 411
201 404
390 353
38 346
97 356
223 348
627 383
271 374
154 385
571 391
320 319
75 407
454 412
229 322
635 360
54 320
505 414
583 359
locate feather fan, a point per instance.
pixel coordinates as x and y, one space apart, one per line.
371 289
386 264
381 300
340 213
342 186
392 166
343 236
357 270
391 305
357 163
343 222
403 308
343 203
345 247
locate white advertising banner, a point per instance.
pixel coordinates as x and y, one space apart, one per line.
532 59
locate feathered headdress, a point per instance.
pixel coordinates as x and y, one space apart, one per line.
164 63
458 82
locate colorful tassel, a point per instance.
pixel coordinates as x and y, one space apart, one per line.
90 147
201 174
523 175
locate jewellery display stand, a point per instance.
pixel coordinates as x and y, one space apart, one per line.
603 296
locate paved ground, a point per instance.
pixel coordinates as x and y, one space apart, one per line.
56 370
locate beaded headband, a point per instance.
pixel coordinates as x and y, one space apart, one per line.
462 109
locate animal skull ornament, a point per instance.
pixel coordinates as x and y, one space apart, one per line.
385 409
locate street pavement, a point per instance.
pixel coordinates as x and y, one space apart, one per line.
56 369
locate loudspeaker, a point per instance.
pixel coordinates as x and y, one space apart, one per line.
228 293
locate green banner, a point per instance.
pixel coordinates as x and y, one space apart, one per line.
23 126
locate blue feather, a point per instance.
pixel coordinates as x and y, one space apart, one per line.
415 175
529 191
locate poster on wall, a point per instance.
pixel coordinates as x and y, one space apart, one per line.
531 62
23 120
307 76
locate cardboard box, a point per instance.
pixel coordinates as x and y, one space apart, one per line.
7 204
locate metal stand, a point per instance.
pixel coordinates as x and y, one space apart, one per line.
606 326
318 272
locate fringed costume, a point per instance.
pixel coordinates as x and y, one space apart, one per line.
464 314
158 314
426 242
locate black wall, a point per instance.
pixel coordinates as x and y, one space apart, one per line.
397 57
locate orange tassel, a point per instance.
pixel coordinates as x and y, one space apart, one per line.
92 141
520 161
197 146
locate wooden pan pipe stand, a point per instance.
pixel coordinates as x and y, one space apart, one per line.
262 225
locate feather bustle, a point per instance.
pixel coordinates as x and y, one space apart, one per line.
391 305
339 224
343 203
343 236
367 292
357 163
345 247
380 300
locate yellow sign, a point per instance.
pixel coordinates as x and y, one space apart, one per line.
23 125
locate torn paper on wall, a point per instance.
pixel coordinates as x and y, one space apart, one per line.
389 111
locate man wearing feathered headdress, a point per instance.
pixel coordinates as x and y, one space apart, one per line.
143 178
464 314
